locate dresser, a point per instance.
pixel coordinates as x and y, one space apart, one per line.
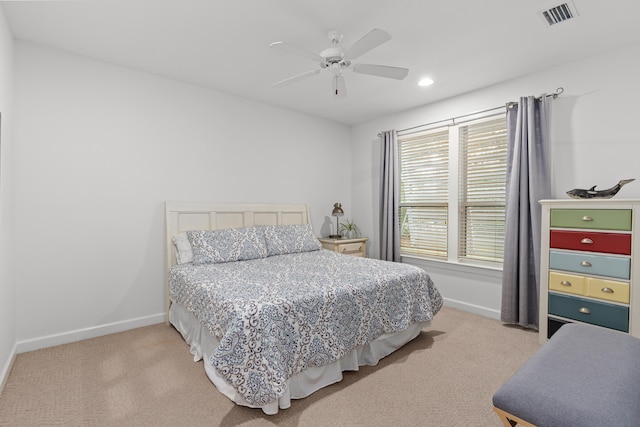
355 247
587 269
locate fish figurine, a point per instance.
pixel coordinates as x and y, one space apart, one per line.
592 193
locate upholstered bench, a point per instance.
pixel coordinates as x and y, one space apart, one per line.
584 376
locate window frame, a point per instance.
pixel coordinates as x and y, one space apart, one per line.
454 202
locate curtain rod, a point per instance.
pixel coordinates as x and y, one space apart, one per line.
554 95
453 119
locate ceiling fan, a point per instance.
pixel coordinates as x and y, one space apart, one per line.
336 59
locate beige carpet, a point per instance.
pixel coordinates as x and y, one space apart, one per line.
147 377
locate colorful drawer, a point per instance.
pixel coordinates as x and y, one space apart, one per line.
612 243
609 290
604 289
598 219
568 283
600 265
589 311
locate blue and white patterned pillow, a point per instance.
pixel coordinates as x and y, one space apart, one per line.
289 239
226 245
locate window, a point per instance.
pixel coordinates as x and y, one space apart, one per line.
452 191
424 193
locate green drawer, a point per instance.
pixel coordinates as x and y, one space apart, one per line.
601 219
597 313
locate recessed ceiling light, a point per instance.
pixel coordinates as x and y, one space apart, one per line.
425 82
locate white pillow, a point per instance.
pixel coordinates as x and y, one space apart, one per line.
184 253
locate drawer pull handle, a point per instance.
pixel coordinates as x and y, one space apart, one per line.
587 218
585 264
607 290
587 241
565 283
584 310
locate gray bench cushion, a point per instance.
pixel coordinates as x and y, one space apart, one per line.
584 376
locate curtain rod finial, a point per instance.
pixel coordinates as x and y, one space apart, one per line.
558 92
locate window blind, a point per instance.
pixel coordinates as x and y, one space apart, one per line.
424 178
483 160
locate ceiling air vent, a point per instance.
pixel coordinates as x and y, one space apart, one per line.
558 14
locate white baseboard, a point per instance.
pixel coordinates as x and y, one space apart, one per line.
110 328
472 308
4 375
86 333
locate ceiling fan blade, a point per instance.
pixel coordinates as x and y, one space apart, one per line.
295 50
296 78
371 40
339 87
381 71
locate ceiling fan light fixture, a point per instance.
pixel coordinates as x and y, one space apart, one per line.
337 59
426 81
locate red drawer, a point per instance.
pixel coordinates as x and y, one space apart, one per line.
611 243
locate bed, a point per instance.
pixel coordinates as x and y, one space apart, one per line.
275 317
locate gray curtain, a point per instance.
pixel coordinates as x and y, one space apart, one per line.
527 183
389 197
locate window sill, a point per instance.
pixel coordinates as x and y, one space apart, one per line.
484 270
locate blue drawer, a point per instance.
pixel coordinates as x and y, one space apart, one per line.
597 313
600 265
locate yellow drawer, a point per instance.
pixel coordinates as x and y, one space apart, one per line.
568 283
610 290
350 248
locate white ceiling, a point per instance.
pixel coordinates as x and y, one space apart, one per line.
223 44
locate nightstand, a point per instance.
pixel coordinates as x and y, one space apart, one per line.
354 247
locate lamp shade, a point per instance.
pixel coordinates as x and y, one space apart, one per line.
337 210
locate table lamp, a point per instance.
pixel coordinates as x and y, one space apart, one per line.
337 212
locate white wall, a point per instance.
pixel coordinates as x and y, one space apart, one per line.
99 148
7 271
593 142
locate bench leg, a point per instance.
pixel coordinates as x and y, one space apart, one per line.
510 420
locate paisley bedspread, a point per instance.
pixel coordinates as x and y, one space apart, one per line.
279 315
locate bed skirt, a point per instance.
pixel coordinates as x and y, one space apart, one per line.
301 385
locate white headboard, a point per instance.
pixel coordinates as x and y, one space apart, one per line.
181 217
